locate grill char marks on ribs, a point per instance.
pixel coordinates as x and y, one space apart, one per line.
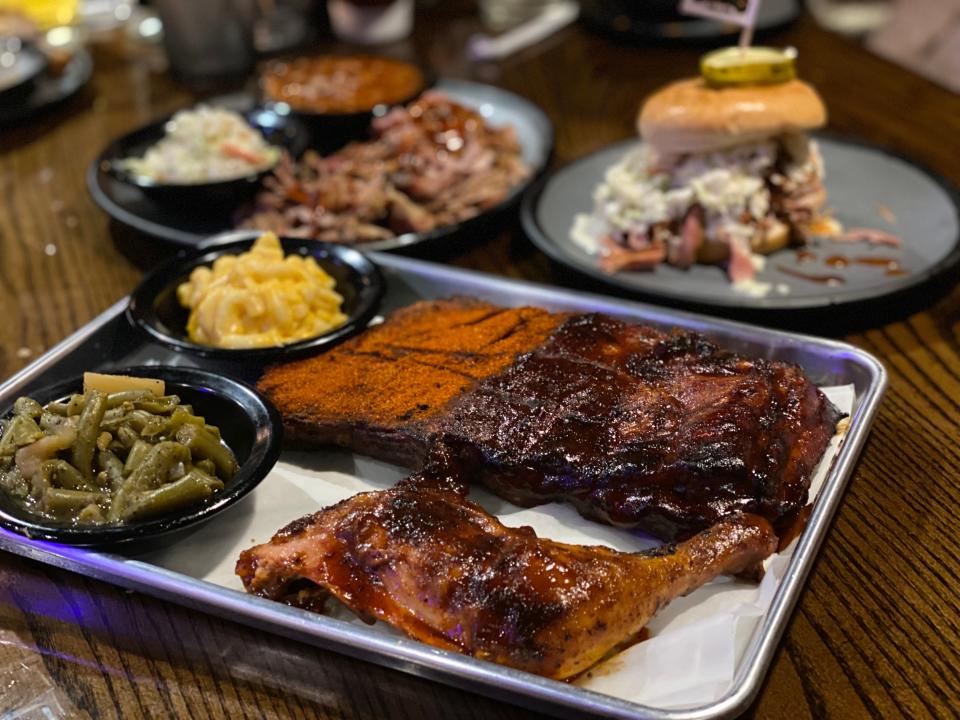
639 428
635 426
445 572
381 392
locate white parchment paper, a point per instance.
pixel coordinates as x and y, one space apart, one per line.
695 643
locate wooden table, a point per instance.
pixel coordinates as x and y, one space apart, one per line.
877 632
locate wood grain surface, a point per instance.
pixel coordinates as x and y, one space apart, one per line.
877 630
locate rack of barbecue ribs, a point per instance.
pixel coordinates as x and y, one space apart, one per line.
381 392
635 426
444 571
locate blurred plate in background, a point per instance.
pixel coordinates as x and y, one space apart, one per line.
48 90
20 65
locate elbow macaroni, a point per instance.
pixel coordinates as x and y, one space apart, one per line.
260 299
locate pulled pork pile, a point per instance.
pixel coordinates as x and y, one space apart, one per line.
430 164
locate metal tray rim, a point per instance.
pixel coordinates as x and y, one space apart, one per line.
411 656
657 313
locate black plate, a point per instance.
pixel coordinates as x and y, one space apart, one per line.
49 90
154 307
859 178
129 206
249 424
277 129
23 64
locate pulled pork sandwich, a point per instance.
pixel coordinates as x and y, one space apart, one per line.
726 174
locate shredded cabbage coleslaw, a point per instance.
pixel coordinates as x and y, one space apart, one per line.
205 145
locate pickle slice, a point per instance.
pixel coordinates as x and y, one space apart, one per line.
748 66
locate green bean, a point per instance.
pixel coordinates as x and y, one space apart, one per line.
127 396
187 490
127 436
204 444
111 468
155 431
207 466
136 419
151 472
144 400
57 408
121 498
91 515
75 404
214 483
27 406
52 423
183 415
156 466
163 405
88 428
137 454
114 418
21 430
178 419
117 448
145 423
60 473
209 478
58 501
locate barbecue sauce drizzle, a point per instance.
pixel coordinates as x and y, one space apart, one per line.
892 266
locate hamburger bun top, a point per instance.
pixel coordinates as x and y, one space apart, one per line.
690 117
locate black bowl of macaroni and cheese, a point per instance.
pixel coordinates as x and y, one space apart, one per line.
251 298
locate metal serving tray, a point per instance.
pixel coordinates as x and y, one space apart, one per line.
109 341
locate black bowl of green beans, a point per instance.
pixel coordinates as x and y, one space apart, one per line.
97 468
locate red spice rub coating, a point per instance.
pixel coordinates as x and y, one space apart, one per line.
381 389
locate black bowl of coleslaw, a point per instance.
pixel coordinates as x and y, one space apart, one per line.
244 166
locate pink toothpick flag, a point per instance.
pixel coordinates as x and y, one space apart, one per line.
736 12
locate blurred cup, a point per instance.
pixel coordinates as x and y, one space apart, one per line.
371 22
208 42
